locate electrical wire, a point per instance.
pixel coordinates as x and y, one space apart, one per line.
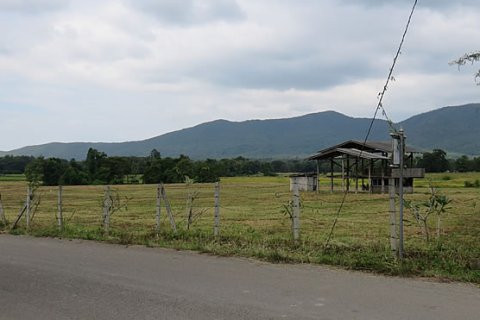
379 107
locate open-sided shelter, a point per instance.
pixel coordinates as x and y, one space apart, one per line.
367 165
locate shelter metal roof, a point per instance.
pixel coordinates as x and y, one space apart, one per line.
337 152
371 146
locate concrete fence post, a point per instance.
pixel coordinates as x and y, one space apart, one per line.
168 208
3 218
217 210
60 208
296 212
158 212
28 207
107 206
393 218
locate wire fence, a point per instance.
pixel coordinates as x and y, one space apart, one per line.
245 210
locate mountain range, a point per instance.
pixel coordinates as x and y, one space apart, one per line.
455 129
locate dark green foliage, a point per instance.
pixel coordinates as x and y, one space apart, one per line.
98 168
435 161
175 170
34 171
472 184
93 162
53 171
14 164
466 164
463 164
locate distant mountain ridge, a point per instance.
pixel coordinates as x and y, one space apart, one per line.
454 129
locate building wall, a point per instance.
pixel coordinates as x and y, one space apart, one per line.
304 183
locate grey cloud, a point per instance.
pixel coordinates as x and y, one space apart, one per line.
31 6
281 71
188 12
4 50
434 4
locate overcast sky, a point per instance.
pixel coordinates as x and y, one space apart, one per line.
132 69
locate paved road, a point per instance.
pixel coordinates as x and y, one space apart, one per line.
61 279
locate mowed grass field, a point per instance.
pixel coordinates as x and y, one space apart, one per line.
254 223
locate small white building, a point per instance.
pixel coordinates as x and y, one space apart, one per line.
305 181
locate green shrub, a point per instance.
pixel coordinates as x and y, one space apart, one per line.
472 184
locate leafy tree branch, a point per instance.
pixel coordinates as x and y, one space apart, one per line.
469 57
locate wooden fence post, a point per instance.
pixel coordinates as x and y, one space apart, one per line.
157 216
217 209
169 209
2 213
296 212
60 208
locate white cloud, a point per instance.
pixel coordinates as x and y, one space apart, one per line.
127 70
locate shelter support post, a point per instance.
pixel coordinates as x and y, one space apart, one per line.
356 175
348 173
331 175
383 176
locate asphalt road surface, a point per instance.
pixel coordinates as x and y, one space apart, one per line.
61 279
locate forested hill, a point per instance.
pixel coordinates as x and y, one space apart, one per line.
454 129
278 138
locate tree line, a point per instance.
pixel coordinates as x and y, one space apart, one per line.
437 161
98 169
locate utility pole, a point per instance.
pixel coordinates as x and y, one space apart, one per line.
398 146
400 191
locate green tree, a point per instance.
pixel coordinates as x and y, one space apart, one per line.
74 174
34 172
207 171
14 164
93 162
463 164
153 172
53 171
436 204
435 161
155 154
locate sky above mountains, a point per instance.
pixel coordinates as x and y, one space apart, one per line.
129 70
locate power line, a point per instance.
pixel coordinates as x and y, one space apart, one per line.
380 106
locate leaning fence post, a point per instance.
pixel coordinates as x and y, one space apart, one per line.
28 205
157 226
168 208
106 210
296 212
60 208
217 209
2 213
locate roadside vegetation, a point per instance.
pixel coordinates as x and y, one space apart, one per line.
253 222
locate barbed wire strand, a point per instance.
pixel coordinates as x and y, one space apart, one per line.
380 106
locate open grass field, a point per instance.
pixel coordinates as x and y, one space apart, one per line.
254 223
